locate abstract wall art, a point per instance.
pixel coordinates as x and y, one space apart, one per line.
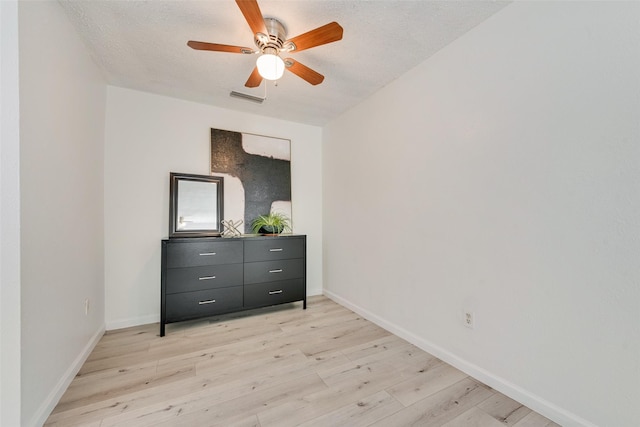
256 171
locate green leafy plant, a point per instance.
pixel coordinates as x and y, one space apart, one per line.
273 223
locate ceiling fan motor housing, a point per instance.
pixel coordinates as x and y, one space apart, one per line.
274 41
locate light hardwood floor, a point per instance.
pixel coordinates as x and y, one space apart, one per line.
282 366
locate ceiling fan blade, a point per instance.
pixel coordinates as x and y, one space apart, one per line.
328 33
303 71
254 79
252 14
218 47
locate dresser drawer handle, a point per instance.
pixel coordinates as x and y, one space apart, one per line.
279 291
206 278
208 254
277 270
275 250
210 301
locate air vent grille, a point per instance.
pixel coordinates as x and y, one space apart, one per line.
246 97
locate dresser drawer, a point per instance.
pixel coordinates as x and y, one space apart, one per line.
208 276
189 305
188 279
193 254
271 271
265 294
274 248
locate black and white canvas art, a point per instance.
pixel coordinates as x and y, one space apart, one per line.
256 171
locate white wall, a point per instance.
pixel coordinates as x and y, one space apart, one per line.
62 113
9 217
149 136
502 176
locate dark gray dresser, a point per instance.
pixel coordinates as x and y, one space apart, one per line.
206 276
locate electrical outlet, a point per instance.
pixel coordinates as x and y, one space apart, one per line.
86 306
469 319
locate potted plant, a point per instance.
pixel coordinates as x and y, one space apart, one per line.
272 223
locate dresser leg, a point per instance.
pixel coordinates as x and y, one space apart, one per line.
304 303
161 329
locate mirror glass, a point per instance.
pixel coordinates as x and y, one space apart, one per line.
196 205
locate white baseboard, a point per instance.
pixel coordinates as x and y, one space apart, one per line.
314 292
54 396
134 321
532 401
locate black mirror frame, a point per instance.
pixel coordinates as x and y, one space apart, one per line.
174 179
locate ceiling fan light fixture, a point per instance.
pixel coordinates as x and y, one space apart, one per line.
270 38
270 66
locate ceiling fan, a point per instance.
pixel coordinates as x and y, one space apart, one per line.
270 38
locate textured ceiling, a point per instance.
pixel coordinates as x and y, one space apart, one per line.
142 45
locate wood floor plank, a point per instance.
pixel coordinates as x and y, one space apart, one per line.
92 388
359 414
217 401
114 349
226 413
426 383
474 417
533 419
357 334
384 344
504 409
280 366
223 384
355 371
440 407
74 423
306 407
240 420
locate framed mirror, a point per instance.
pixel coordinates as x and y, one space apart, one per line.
196 205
